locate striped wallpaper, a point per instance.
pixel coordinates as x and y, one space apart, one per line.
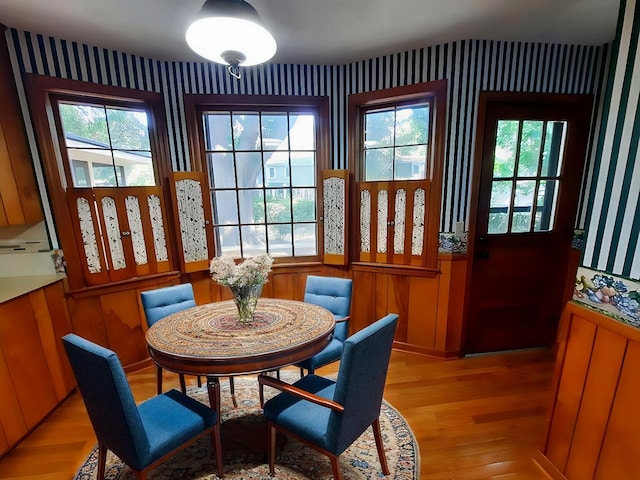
469 66
613 213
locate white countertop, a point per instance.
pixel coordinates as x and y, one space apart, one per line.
12 287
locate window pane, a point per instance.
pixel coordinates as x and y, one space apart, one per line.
226 207
546 207
246 131
530 145
251 204
303 169
553 149
523 206
410 163
253 240
84 123
379 129
378 164
499 207
304 239
139 173
278 205
302 135
412 125
217 131
276 168
504 159
104 176
275 131
228 240
304 205
128 129
221 173
280 240
248 167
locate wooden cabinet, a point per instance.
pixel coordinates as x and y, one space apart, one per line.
19 197
34 373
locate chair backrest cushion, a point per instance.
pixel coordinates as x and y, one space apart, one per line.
360 382
108 399
164 301
332 293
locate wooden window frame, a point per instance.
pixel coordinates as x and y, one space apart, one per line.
357 104
196 104
40 90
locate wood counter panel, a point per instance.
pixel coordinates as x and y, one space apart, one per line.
594 420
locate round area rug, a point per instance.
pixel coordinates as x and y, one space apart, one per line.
244 438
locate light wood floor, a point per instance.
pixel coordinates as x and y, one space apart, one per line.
474 418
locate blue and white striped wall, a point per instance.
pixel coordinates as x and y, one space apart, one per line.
613 211
469 65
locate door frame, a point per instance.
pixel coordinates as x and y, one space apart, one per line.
579 102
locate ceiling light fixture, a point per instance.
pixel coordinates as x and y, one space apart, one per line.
231 32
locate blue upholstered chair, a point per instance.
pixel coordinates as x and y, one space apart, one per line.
161 302
142 436
330 415
334 294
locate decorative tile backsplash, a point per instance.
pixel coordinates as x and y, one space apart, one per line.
452 243
614 296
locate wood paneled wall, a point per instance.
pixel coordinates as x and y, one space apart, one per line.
594 418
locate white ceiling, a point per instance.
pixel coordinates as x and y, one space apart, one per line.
319 31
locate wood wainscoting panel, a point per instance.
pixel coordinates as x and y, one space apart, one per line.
423 305
620 456
11 419
594 419
599 391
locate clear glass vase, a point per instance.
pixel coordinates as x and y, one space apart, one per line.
246 299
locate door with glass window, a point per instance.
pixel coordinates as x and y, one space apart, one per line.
532 155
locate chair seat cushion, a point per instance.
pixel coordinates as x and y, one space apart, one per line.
170 420
286 410
331 353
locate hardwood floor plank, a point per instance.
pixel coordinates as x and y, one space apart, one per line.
480 417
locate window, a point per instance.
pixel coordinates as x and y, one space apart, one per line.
262 164
106 145
103 152
526 176
396 139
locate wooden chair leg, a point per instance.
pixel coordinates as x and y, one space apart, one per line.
199 381
159 379
335 467
232 389
102 461
271 448
217 444
183 385
377 434
301 372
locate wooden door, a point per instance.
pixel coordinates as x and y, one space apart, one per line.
530 154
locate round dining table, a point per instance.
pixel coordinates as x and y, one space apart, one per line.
209 339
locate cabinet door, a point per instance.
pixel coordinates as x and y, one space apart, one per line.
26 362
192 215
19 196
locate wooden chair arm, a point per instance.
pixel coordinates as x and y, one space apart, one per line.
298 392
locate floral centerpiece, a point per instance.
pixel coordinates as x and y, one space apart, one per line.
245 280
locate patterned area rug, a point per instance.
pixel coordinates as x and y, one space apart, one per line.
244 436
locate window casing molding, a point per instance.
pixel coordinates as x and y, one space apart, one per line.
197 105
436 91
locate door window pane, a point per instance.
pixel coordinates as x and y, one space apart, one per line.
530 146
499 207
504 158
546 205
553 149
523 206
